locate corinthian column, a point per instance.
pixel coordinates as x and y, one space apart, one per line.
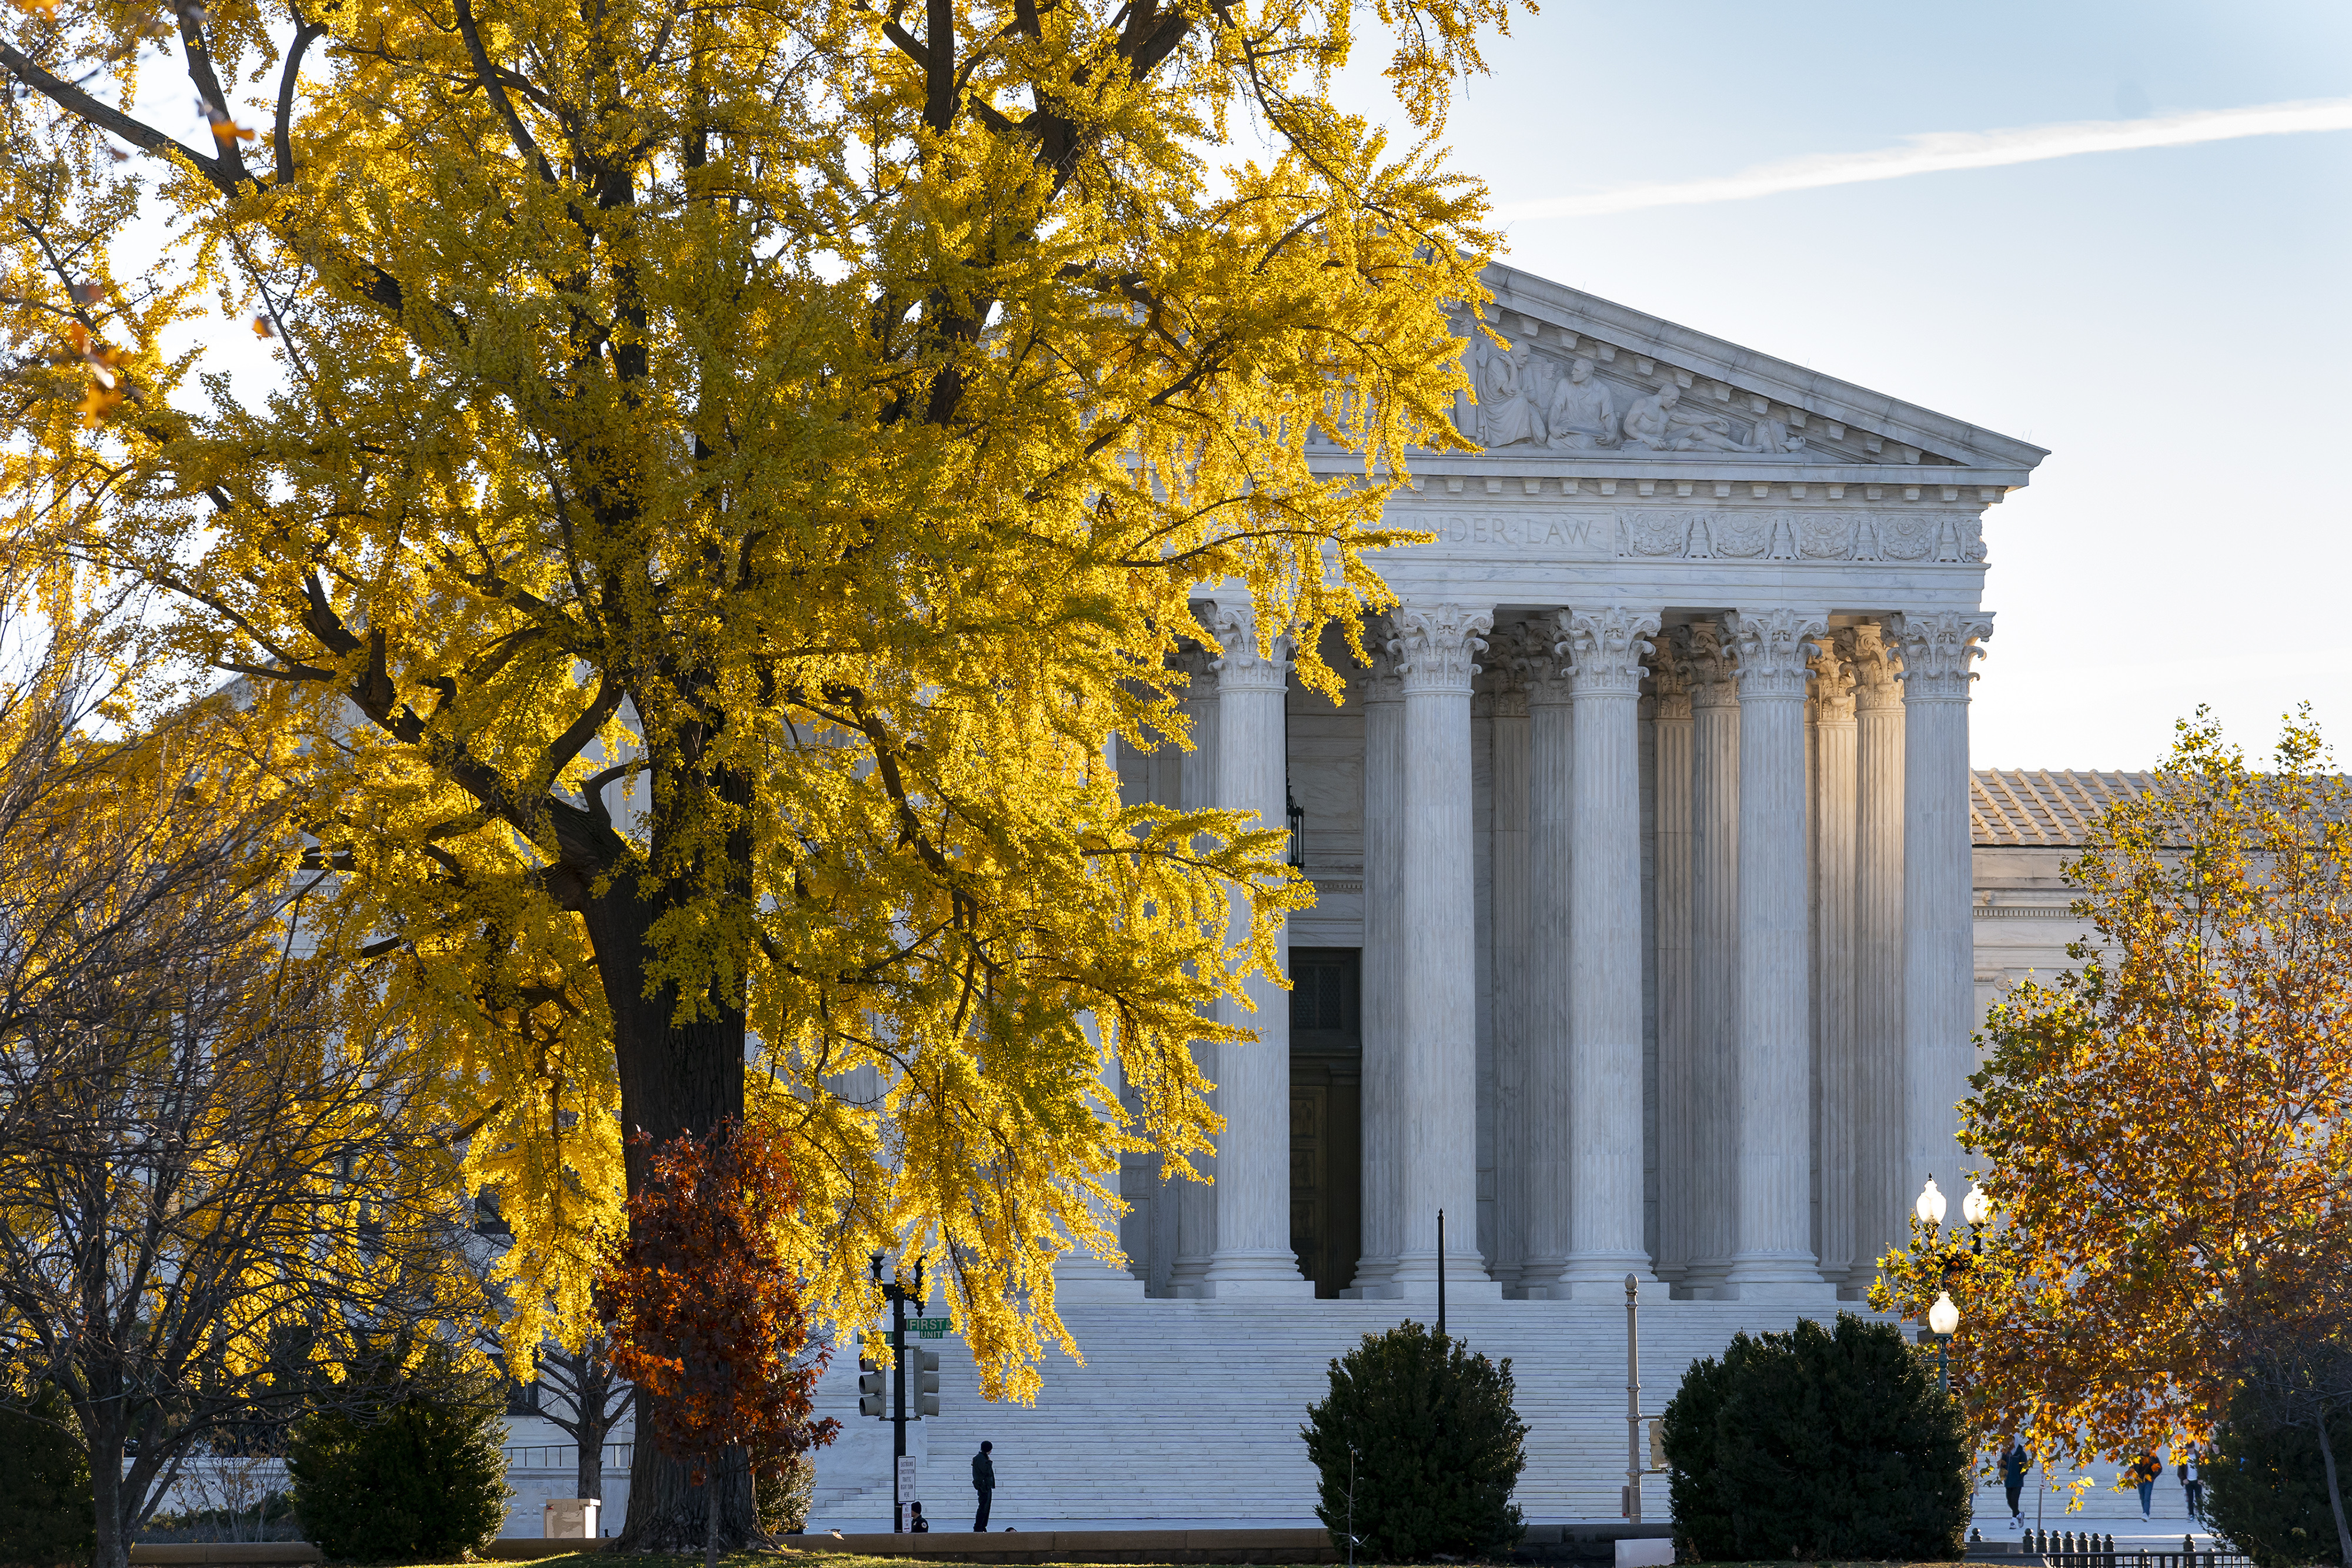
1437 646
1551 821
1880 1200
1670 688
1834 823
1253 1256
1605 950
1938 963
1196 1201
1715 924
1510 958
1773 1257
1382 968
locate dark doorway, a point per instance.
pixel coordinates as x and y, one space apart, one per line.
1327 1075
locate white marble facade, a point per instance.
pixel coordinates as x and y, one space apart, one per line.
1646 835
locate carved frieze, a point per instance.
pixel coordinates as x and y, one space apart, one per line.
1758 534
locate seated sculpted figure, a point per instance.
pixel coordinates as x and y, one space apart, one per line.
1508 406
1583 416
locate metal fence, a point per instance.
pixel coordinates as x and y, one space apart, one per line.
2069 1550
564 1455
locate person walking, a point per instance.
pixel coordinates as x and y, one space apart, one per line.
983 1481
2145 1473
2014 1462
2192 1486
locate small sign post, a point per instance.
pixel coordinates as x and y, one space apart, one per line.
906 1489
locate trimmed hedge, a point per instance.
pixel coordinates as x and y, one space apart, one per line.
1817 1444
1434 1447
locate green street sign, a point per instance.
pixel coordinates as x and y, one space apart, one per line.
928 1328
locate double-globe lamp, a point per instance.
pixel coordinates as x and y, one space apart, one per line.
1944 1317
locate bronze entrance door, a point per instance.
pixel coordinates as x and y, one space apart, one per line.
1327 1061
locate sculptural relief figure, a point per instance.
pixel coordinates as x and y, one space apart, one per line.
1583 414
1509 414
1661 423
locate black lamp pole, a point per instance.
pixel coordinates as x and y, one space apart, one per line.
898 1296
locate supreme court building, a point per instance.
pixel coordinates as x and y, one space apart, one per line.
1642 943
1642 851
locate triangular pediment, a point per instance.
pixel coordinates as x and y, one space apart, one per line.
1656 390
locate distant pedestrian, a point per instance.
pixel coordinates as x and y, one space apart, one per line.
2145 1473
983 1481
916 1524
2014 1462
2192 1485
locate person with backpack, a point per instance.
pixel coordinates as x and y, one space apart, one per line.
2014 1462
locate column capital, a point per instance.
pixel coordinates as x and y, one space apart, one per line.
1670 675
1713 677
1195 663
1937 649
1871 655
1772 645
1437 646
1834 681
1605 647
1382 682
1512 665
1242 666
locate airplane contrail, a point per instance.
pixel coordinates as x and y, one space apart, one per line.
1937 151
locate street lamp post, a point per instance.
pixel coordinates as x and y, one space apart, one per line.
1944 1317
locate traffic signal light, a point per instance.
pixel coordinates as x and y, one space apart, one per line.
873 1384
926 1372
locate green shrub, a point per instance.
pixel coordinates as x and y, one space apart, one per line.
420 1477
1817 1444
46 1513
1435 1444
2267 1489
782 1500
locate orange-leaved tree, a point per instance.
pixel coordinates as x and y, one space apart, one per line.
2164 1124
703 1308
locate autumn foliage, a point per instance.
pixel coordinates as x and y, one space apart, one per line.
2164 1124
703 1307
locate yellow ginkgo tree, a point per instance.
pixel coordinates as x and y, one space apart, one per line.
728 472
2165 1124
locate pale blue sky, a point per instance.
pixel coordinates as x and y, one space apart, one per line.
2171 322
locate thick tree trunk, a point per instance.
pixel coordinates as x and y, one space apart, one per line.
2334 1486
673 1080
113 1547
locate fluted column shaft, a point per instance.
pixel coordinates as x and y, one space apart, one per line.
1252 1255
1437 648
1881 1201
1196 1201
1677 1149
1938 962
1714 923
1773 1253
1834 823
1509 963
1382 970
1551 825
1605 647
